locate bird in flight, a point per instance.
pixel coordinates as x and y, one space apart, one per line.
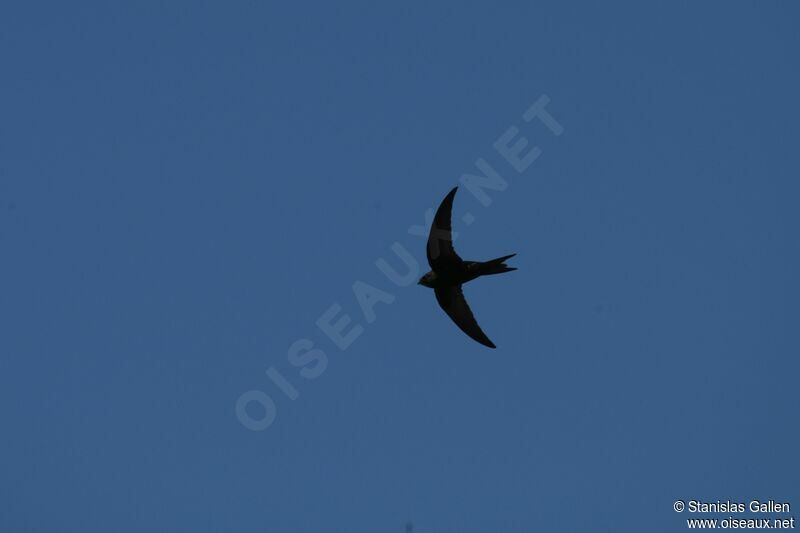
449 272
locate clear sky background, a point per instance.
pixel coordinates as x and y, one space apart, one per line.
185 187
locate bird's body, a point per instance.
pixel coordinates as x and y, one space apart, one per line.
468 271
449 272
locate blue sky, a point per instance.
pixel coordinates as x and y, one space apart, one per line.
186 187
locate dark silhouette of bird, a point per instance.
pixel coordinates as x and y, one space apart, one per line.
449 272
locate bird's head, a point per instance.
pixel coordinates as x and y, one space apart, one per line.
427 280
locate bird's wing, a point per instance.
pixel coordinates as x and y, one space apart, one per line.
451 299
441 255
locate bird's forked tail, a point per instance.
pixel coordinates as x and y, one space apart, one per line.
496 266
